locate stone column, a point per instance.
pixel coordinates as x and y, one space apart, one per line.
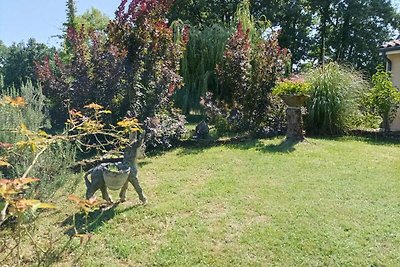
295 130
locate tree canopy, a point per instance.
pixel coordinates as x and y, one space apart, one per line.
348 31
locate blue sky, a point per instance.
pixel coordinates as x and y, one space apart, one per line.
41 19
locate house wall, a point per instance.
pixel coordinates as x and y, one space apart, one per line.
394 56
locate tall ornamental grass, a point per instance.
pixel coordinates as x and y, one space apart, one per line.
336 94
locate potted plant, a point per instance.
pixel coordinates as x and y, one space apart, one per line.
293 91
115 175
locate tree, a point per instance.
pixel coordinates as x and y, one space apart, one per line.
250 67
358 28
348 31
203 12
295 20
93 19
19 63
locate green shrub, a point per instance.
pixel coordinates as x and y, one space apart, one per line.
53 166
384 98
336 93
33 115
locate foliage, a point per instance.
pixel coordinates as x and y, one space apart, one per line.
34 144
336 93
295 85
134 69
251 71
17 62
94 74
384 98
3 58
165 128
26 108
213 108
93 19
87 206
204 51
14 205
153 54
235 68
346 31
203 12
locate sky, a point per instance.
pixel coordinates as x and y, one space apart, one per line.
42 19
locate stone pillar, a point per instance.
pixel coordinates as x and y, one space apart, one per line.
295 130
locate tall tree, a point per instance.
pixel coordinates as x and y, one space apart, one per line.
93 19
203 12
3 57
358 28
295 19
19 63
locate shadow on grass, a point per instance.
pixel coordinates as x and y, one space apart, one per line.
286 146
94 220
370 137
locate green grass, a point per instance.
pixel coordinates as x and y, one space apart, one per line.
318 203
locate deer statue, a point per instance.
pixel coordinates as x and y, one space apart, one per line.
97 182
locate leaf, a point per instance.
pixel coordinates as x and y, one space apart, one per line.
34 204
43 134
4 163
43 205
6 145
105 111
3 204
28 180
94 106
86 205
83 237
18 102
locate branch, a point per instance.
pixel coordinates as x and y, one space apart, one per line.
34 162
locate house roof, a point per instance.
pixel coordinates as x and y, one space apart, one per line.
391 45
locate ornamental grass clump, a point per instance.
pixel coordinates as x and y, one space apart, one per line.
336 92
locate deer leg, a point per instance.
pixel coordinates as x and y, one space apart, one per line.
91 190
104 192
133 179
122 193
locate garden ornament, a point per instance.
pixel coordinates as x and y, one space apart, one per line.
103 177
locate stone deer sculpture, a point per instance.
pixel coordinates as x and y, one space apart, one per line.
97 182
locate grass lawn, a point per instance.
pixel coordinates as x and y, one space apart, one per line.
320 203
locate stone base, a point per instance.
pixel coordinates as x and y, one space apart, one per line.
295 131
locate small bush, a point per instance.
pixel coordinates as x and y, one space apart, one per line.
33 115
336 98
384 98
165 128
